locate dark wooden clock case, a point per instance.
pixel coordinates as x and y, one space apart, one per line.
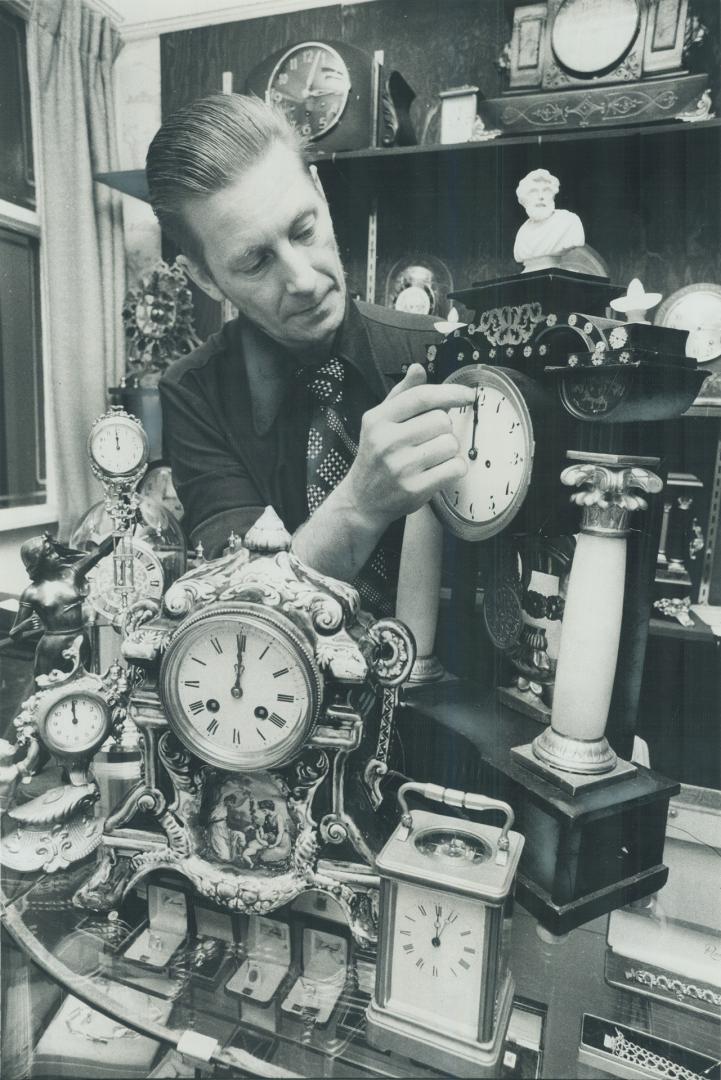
357 126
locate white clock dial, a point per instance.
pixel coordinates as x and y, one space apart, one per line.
437 953
133 569
76 724
496 439
117 445
241 687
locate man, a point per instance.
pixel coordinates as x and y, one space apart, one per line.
289 404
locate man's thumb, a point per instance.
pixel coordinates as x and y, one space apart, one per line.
415 376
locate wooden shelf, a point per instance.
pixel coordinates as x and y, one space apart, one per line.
430 152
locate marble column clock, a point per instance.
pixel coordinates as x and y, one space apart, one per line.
573 752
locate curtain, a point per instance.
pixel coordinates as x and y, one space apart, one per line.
71 50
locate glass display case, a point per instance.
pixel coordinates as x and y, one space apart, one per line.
135 993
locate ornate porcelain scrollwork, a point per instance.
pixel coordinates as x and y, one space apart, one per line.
259 678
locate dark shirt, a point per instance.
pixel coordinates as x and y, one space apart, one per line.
235 417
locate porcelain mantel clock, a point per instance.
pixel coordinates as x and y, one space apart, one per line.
443 989
253 724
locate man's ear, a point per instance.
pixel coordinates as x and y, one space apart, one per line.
200 276
316 182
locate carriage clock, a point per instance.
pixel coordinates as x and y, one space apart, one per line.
443 991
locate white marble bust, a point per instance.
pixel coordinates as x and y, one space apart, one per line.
548 233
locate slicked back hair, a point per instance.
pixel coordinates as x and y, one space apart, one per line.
204 147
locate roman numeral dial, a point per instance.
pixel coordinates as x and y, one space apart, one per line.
241 686
437 955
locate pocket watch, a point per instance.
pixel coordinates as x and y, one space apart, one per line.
240 686
443 990
495 433
117 445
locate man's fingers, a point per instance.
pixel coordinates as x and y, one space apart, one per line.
415 376
421 399
439 477
432 452
419 429
413 396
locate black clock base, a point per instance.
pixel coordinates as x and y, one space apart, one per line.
585 854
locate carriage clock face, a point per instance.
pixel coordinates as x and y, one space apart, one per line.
118 445
310 83
76 724
240 686
132 556
496 439
437 955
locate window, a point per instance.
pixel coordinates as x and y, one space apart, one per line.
23 481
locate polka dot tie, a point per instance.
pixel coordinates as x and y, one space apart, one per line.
330 452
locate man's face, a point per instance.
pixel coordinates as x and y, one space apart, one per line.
538 200
269 249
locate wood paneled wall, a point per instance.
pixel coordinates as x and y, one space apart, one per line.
651 206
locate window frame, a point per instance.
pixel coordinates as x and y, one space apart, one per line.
21 219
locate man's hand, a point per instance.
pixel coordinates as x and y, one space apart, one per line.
407 452
407 449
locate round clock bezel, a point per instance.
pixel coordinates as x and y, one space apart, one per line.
77 751
238 760
569 382
112 614
138 431
336 55
480 375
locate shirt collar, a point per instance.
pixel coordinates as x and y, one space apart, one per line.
270 368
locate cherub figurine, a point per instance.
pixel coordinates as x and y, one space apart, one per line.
548 233
55 598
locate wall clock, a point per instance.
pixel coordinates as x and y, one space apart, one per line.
240 686
328 90
496 437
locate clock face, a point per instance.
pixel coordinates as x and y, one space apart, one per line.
241 687
437 955
76 724
118 446
589 38
310 83
496 438
133 570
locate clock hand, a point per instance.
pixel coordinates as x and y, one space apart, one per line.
472 452
325 93
311 77
235 690
72 709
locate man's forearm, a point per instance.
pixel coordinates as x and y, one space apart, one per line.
338 539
